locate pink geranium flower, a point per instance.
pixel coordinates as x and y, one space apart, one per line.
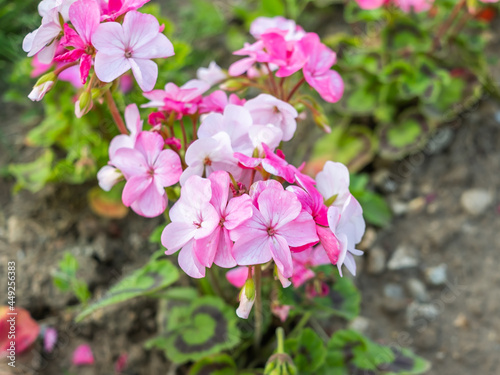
148 169
183 100
112 9
84 16
193 218
263 25
83 356
304 261
217 247
348 226
286 54
278 222
266 109
317 73
131 45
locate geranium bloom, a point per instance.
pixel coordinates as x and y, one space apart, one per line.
211 75
333 183
266 109
317 72
83 356
206 155
42 40
416 6
286 54
108 175
348 226
183 100
112 9
278 222
84 16
131 45
217 247
371 4
193 217
148 169
263 25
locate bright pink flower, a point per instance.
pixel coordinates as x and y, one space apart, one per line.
348 226
49 339
266 109
183 100
371 4
207 155
317 73
278 222
83 356
286 54
193 218
148 169
255 53
131 45
217 247
84 16
112 9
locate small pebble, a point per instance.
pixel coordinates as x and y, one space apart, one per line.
403 257
437 275
476 201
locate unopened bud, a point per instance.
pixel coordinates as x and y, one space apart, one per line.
247 298
232 85
84 104
42 86
321 120
280 364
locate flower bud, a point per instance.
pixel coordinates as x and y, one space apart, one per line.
42 86
280 364
322 122
247 298
232 85
84 104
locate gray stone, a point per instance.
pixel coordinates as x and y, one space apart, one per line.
394 298
476 201
360 324
417 290
437 275
403 257
426 339
421 313
376 261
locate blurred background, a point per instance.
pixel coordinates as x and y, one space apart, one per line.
418 126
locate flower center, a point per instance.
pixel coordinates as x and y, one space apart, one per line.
197 225
271 231
128 53
207 161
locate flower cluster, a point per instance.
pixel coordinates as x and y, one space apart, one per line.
286 48
86 33
241 203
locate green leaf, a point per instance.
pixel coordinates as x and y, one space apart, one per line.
154 276
61 282
376 211
308 351
353 353
69 264
220 364
271 8
206 327
81 291
33 176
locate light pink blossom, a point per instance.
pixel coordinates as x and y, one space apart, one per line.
266 109
193 217
49 339
211 75
333 183
263 25
131 45
278 222
217 247
148 169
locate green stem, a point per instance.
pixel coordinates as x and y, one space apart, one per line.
115 112
302 322
280 333
295 88
258 305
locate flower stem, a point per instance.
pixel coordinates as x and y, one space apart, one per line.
295 88
274 86
280 333
64 67
258 305
448 23
115 112
184 136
